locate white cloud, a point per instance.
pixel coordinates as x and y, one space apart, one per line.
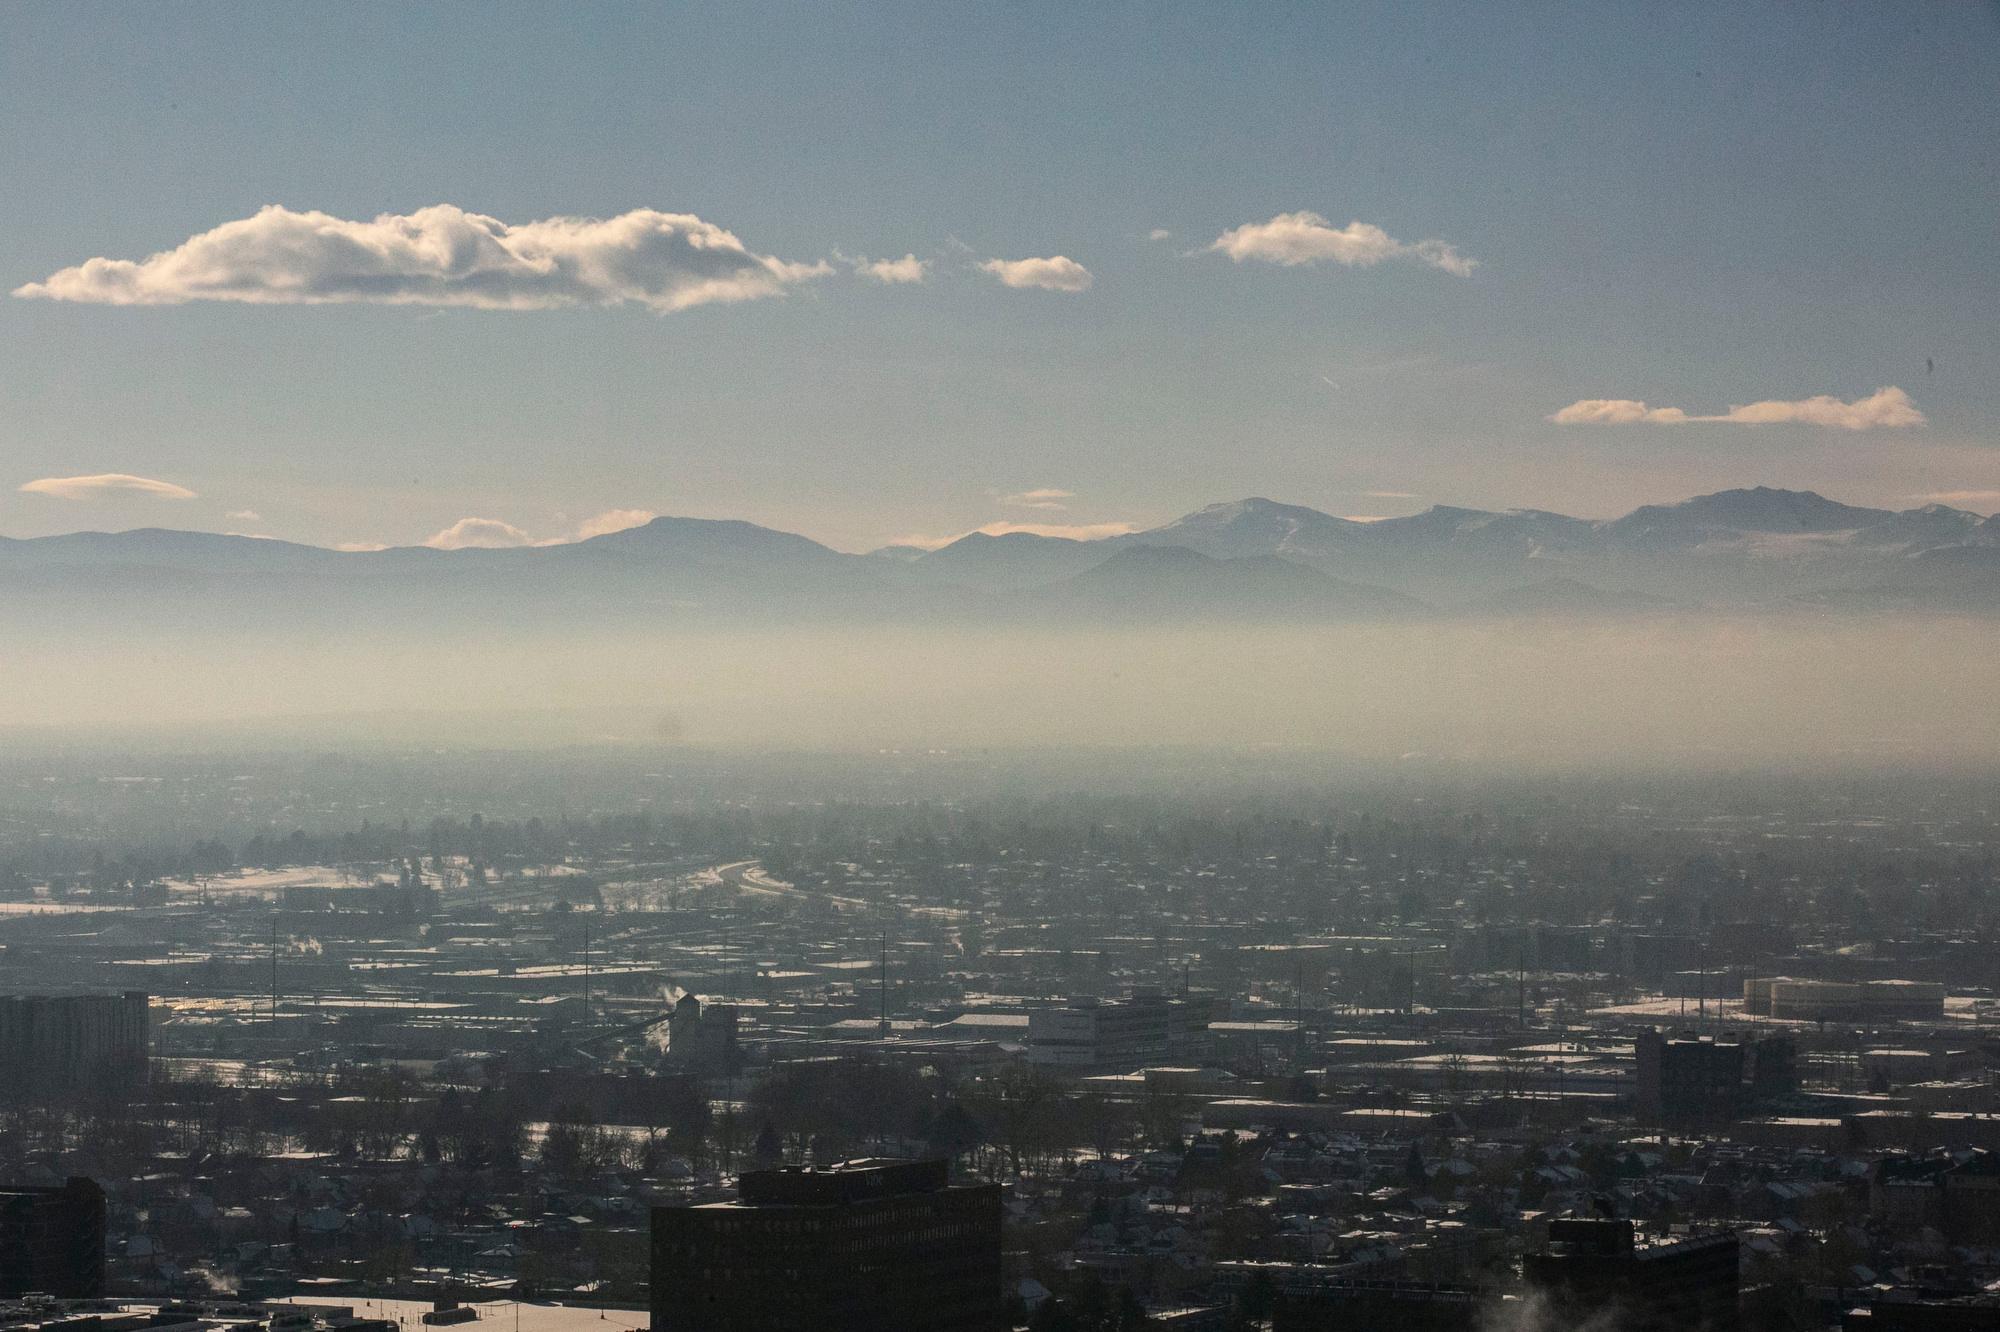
440 256
360 547
1073 531
1299 238
1056 273
1046 498
1884 409
1390 494
1616 411
106 485
613 520
495 534
245 516
480 534
1159 234
894 271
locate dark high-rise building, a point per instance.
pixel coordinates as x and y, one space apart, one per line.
1697 1080
60 1045
1771 1068
1688 1080
862 1245
1597 1267
1971 1202
52 1240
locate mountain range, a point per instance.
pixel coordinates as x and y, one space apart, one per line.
1763 549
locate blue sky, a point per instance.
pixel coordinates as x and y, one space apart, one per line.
1694 207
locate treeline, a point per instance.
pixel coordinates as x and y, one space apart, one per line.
1348 864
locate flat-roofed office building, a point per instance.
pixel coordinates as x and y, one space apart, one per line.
862 1245
1605 1268
54 1045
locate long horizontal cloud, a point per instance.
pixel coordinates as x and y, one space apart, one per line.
442 256
1055 273
496 534
1884 409
1048 497
1293 239
106 485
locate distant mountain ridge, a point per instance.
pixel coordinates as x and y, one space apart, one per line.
1753 546
1163 581
1759 548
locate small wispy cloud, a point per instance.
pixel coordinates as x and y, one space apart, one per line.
1159 234
360 547
613 520
480 534
1884 409
106 485
1391 494
496 534
245 516
440 256
1046 498
1303 238
1055 273
893 272
1070 531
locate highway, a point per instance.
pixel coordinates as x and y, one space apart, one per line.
748 876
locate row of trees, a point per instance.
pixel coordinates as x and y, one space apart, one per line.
1012 1120
1328 858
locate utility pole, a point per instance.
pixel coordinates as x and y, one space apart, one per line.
1299 989
274 969
1701 964
586 971
1521 980
884 1027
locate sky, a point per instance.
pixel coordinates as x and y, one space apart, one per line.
500 274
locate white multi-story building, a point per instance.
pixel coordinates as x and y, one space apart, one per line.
1119 1034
